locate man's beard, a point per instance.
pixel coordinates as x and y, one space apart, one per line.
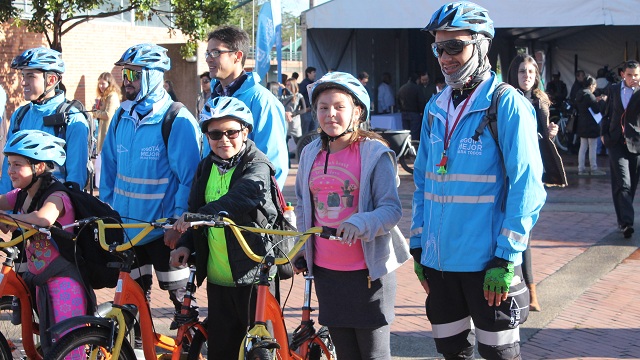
130 96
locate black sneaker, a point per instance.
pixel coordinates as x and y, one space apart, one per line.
627 231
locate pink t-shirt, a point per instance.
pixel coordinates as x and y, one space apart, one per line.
40 250
335 199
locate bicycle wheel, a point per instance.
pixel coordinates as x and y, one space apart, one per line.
93 340
5 351
260 354
409 157
562 139
305 140
198 348
13 333
315 350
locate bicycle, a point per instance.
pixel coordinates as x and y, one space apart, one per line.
12 285
104 337
268 339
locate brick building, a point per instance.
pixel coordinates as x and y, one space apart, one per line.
92 48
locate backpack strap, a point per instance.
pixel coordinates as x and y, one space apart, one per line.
22 111
167 120
490 120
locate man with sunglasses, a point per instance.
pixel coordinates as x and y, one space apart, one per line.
226 53
41 72
143 177
467 233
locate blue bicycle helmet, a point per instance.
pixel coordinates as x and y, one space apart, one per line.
40 59
149 56
461 15
346 82
224 106
38 146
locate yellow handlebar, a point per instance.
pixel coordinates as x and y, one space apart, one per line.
303 237
30 231
146 228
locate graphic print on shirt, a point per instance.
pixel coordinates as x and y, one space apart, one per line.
334 191
470 147
122 149
150 153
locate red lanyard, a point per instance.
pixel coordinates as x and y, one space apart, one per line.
442 165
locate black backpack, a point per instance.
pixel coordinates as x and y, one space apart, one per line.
86 251
59 122
283 244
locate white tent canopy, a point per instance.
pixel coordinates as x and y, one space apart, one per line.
414 14
383 35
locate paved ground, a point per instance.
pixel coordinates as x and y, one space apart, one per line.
587 276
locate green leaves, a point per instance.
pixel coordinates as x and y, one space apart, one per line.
55 18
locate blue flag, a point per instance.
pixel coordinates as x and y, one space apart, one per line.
269 34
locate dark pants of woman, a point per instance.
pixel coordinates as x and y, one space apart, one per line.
527 268
361 344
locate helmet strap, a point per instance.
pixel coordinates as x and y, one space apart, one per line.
34 177
331 139
41 99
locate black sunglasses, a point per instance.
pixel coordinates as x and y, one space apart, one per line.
217 134
452 47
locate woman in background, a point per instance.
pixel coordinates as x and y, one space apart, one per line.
168 86
107 102
524 75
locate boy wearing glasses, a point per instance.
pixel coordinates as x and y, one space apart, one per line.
226 53
41 72
142 178
475 200
234 177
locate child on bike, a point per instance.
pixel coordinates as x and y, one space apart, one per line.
60 293
234 177
347 179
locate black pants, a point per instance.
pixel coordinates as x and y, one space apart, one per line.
230 315
456 298
625 172
527 266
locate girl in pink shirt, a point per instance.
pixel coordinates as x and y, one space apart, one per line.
347 180
60 293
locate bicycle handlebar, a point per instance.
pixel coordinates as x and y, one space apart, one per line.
221 220
31 229
164 223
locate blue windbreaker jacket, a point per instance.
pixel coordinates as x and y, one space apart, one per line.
141 178
76 138
475 211
269 125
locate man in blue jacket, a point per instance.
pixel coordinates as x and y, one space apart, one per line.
41 71
227 51
475 201
143 177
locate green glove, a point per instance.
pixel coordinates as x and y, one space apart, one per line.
417 268
498 276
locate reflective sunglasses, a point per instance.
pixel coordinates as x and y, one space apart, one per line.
452 47
217 134
216 53
131 75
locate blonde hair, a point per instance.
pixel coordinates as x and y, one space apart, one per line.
112 88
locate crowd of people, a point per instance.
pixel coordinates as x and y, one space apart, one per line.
477 278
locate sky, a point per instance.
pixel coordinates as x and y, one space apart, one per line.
298 6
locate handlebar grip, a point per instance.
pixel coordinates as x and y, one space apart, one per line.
57 232
328 232
301 263
193 217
